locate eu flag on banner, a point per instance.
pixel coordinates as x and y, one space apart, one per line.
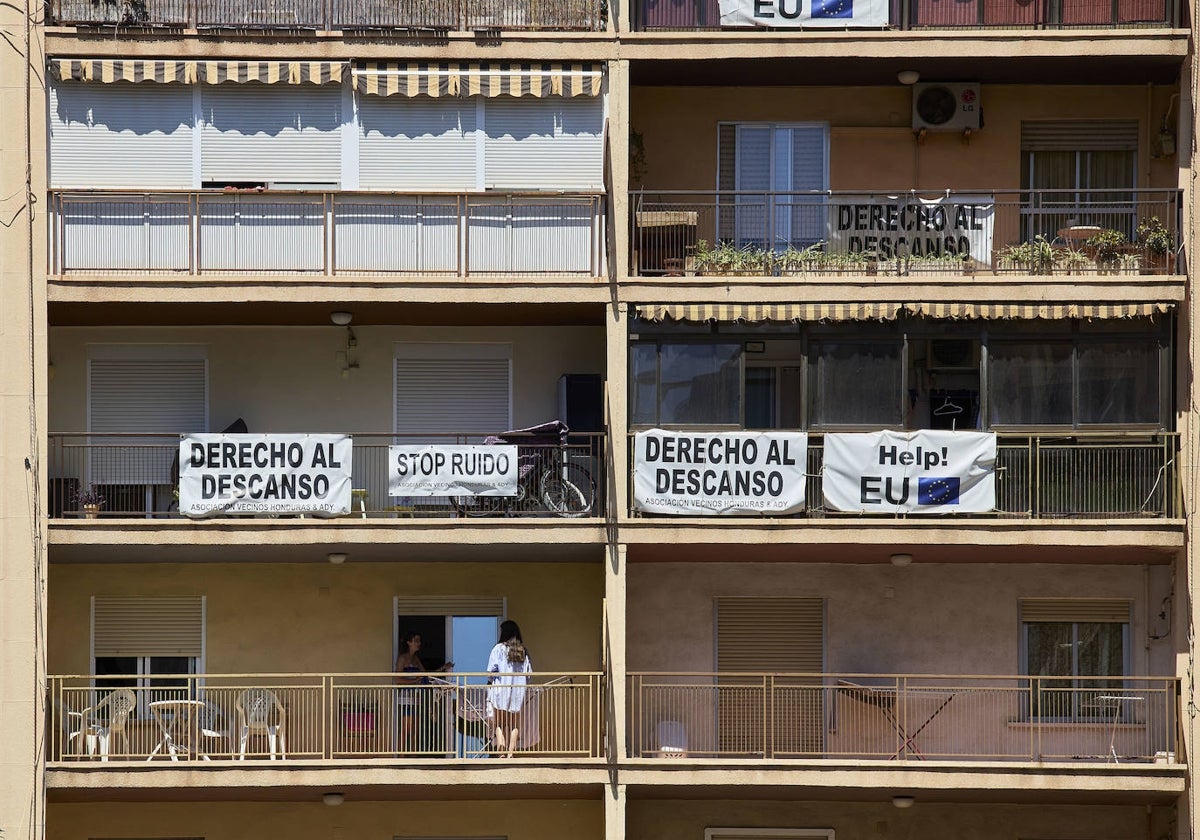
832 8
937 491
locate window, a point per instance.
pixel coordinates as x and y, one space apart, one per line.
1083 641
854 383
784 163
1078 165
148 644
686 383
1079 382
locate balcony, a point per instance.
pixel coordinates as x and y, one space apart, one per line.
346 15
980 234
302 719
1070 476
699 15
137 476
1119 720
173 234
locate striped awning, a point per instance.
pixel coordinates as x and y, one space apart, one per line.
488 80
186 72
755 313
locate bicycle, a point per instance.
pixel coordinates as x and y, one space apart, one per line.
546 476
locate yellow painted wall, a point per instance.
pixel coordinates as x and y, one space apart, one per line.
515 819
686 820
922 619
287 379
872 146
283 617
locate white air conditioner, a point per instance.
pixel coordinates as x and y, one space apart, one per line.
946 106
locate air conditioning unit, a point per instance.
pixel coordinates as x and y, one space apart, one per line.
946 106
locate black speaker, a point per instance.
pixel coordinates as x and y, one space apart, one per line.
581 401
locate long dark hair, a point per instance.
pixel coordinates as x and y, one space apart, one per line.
510 634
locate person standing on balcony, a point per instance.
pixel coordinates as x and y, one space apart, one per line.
408 667
509 662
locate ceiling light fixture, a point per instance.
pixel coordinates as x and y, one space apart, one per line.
901 559
898 801
334 797
337 558
341 318
908 77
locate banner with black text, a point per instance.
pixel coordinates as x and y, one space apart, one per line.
927 471
950 228
807 14
452 470
719 473
269 474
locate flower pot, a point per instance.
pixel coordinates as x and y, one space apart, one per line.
91 511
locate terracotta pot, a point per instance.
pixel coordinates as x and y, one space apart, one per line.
91 511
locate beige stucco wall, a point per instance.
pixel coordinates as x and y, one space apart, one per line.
283 617
872 146
686 820
288 379
524 819
923 619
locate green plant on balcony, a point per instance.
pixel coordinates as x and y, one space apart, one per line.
1108 245
1072 260
794 260
1156 243
727 258
1035 256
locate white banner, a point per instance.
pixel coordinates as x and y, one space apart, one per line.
722 473
950 226
926 471
436 470
228 473
809 14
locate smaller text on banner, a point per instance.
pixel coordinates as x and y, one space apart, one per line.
269 474
719 473
808 14
925 471
448 470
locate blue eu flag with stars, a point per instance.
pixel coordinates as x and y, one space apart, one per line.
937 491
826 9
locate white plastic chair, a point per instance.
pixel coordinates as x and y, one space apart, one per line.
672 739
259 712
101 723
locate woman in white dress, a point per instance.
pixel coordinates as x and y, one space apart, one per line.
509 662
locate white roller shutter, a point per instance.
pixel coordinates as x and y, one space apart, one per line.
468 396
120 135
157 626
417 143
149 395
551 143
271 133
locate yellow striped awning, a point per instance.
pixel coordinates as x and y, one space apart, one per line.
755 313
187 72
122 70
379 78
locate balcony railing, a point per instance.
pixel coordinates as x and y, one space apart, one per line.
1081 476
331 15
188 233
313 717
981 232
686 15
904 717
137 475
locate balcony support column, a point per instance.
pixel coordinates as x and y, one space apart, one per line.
614 648
614 812
616 401
618 166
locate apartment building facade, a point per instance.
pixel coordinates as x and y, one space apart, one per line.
266 257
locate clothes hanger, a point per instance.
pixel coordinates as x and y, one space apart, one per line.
947 407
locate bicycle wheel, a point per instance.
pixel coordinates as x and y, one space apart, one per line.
568 490
479 505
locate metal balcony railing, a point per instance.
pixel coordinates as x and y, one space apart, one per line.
977 232
306 233
1070 476
904 717
333 15
687 15
312 717
137 475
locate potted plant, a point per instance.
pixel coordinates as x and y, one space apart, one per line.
1035 256
1156 244
1072 260
89 501
1108 245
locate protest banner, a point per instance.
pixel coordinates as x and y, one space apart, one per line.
719 473
452 470
269 474
927 471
